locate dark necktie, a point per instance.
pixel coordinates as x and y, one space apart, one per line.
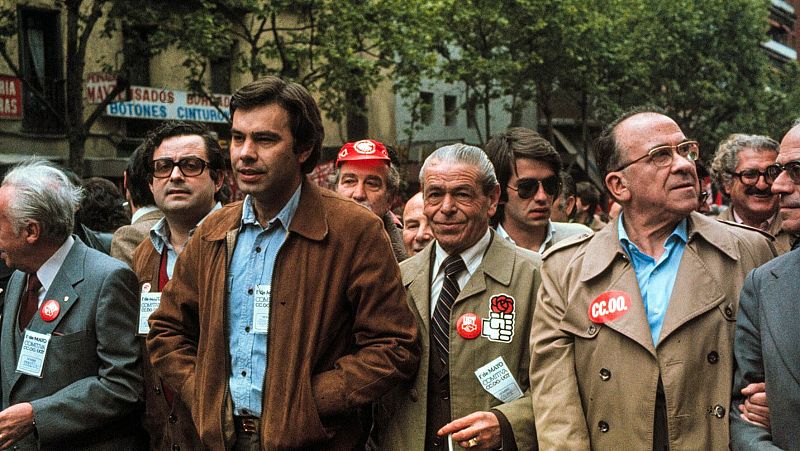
30 302
453 265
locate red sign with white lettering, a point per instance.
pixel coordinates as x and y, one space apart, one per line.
10 97
609 306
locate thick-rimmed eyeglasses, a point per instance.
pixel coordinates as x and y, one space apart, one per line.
750 177
189 167
528 187
792 168
662 156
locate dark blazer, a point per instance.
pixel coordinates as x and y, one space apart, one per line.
91 384
766 349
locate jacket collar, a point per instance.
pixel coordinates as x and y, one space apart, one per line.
309 220
605 247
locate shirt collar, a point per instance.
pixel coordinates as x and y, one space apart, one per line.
159 234
284 216
680 233
47 272
548 238
472 256
739 220
141 212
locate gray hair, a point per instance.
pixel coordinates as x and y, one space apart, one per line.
392 179
727 156
464 154
43 193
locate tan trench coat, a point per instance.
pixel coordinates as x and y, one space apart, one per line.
595 384
783 240
401 414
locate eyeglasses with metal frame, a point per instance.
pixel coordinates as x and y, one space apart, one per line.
189 167
663 156
792 168
528 187
750 177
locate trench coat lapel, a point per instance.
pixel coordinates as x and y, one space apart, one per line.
781 304
416 278
695 292
603 250
497 263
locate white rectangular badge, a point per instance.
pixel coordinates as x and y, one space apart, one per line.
148 303
261 309
496 378
34 349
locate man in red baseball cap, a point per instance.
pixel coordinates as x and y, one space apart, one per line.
365 173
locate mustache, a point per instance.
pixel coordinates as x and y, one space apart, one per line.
754 191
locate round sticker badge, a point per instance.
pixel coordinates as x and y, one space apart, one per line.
609 306
146 287
468 326
50 310
365 147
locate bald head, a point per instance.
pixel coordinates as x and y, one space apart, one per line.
784 185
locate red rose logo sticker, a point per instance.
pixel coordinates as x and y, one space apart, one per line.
502 304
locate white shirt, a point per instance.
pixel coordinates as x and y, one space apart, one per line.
141 212
47 272
473 256
548 238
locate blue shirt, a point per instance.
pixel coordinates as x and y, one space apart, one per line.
252 263
656 278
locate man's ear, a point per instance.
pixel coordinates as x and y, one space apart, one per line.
33 231
618 186
494 200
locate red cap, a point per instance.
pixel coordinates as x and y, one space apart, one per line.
366 149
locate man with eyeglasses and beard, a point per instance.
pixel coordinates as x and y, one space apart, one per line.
738 168
527 168
633 326
767 329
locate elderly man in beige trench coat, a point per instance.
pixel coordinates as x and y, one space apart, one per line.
633 329
477 394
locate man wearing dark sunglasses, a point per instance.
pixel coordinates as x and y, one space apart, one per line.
767 326
185 172
634 324
528 169
739 169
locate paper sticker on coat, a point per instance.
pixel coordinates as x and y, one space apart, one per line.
500 324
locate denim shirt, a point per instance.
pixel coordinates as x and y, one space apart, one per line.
656 278
252 263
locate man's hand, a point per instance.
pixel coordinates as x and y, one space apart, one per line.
755 409
16 422
479 430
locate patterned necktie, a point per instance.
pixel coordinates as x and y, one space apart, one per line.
30 302
453 265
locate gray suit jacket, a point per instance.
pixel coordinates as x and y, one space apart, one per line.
91 382
766 349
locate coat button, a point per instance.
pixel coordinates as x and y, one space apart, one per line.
176 447
172 418
603 426
719 411
713 357
605 374
729 310
157 389
592 329
437 442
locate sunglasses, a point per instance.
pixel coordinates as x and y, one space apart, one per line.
189 167
750 177
527 188
792 168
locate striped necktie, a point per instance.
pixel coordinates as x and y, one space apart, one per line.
453 265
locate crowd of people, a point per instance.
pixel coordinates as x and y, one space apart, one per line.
500 308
